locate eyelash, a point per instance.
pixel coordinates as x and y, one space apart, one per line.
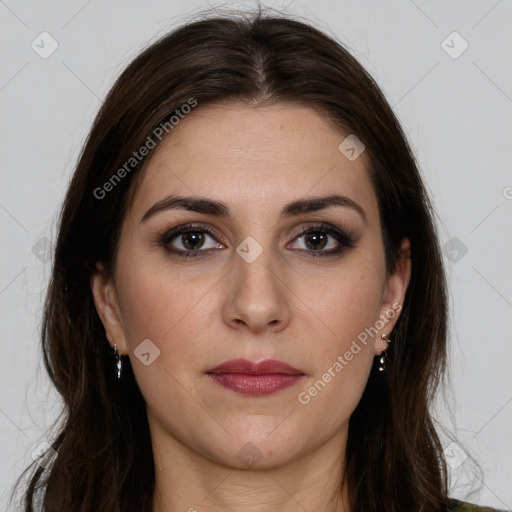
345 238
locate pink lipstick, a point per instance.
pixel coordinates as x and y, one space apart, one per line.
248 378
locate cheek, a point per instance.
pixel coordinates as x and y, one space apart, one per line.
162 310
173 310
342 358
344 310
335 392
156 300
342 303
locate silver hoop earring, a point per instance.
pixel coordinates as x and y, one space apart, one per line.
382 360
119 362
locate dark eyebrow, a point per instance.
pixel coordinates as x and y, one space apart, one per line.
220 209
314 204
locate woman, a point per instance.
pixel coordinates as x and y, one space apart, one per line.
247 309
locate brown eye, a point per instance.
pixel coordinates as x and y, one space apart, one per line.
323 240
192 240
316 241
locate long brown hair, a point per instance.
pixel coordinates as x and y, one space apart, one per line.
104 459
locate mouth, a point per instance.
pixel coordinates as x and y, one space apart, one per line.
250 378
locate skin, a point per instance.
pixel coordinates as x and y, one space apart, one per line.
286 305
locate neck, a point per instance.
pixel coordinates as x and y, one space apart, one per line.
186 481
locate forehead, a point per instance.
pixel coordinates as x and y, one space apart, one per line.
254 157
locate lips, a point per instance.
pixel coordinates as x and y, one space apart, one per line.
266 367
248 378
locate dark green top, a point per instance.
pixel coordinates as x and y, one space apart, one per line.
462 506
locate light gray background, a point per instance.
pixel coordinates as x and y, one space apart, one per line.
456 111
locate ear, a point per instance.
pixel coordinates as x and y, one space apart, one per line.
107 307
394 294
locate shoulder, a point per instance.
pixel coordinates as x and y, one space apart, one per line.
462 506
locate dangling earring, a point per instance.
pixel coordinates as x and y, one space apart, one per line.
382 359
119 363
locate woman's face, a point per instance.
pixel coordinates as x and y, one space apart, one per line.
244 283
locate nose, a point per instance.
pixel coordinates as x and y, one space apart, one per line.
257 299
